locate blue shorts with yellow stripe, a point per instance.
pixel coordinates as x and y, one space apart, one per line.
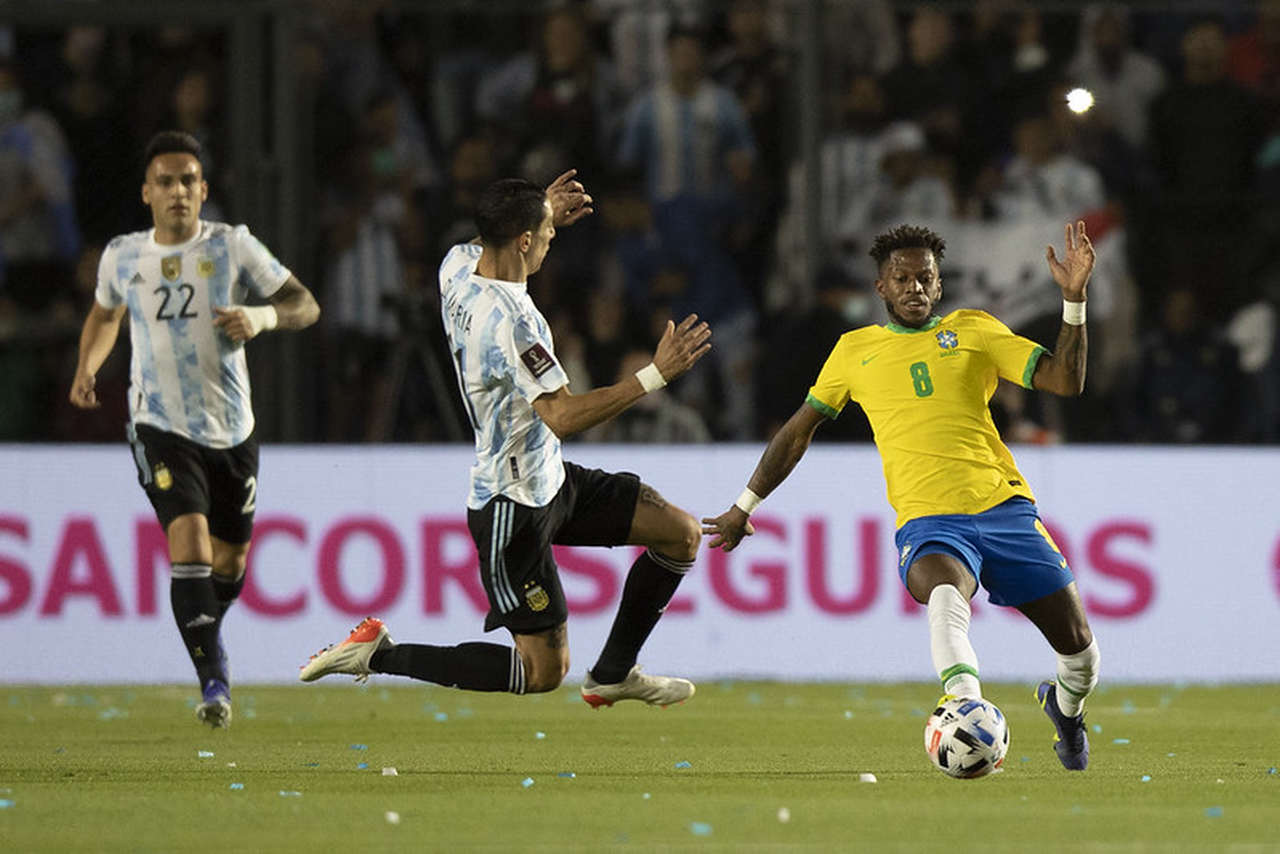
1007 548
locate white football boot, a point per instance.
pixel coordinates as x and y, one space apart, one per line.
352 655
654 690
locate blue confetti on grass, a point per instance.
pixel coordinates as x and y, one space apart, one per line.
646 796
527 782
1213 812
684 763
5 803
358 746
1026 759
1171 755
848 714
539 735
441 717
362 765
311 765
754 698
236 786
1271 770
1119 741
700 828
1146 778
204 754
289 793
1097 727
568 775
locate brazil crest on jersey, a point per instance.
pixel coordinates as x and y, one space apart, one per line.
186 377
504 359
925 392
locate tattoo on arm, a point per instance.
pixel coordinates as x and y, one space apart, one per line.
1071 354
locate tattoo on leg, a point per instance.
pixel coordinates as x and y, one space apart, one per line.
558 637
650 496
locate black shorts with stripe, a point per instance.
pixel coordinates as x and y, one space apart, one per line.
181 476
517 568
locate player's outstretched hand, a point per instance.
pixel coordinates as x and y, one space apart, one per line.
681 347
728 528
83 395
1072 272
569 200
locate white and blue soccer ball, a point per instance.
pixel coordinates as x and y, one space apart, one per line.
966 738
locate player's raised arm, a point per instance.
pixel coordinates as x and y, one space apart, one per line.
569 200
783 452
97 337
1062 372
681 347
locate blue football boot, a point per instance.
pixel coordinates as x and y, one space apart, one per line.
1071 742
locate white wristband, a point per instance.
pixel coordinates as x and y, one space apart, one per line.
1073 313
261 317
748 501
651 378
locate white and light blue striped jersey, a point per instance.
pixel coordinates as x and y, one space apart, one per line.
186 376
504 359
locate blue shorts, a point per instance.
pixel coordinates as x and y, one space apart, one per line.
1007 548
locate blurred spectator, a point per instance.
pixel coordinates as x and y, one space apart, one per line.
931 86
38 235
561 94
860 38
1253 57
637 34
797 344
655 418
849 167
88 104
757 70
363 291
1188 383
472 167
1043 180
1206 131
904 191
689 139
1124 80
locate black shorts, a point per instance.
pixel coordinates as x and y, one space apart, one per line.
592 508
181 476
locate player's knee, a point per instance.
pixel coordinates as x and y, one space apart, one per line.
686 538
544 673
230 566
543 680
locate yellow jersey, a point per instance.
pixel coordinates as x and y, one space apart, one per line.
925 392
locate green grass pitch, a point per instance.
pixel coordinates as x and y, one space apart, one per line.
743 766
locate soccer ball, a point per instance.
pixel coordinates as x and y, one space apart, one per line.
966 737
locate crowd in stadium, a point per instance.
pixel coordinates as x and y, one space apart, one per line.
682 119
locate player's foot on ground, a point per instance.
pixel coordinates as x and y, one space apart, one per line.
654 690
215 706
1071 742
352 655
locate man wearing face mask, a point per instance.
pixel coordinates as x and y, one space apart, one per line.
38 234
966 515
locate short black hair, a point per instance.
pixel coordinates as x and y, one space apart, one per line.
170 142
907 237
507 209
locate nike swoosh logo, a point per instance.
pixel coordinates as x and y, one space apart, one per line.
868 359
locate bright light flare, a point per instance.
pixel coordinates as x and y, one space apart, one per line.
1079 100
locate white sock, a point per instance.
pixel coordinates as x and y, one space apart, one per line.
1077 674
953 655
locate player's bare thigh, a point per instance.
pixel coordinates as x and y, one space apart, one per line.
931 570
188 537
546 658
662 526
